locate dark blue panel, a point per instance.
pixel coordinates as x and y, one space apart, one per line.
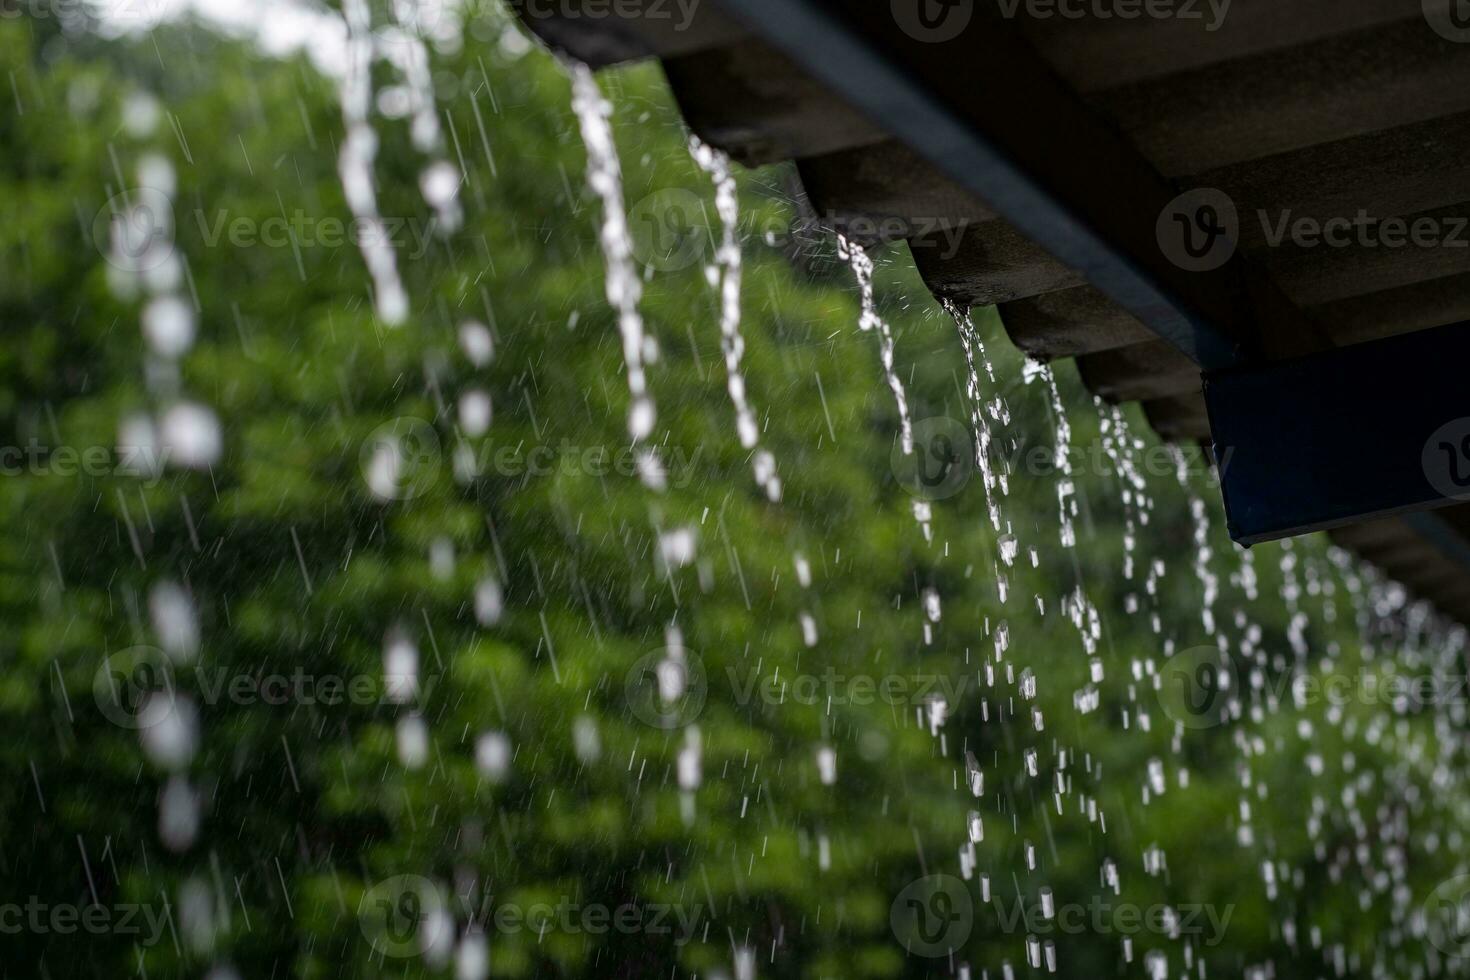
1343 436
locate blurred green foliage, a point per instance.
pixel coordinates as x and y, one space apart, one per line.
294 566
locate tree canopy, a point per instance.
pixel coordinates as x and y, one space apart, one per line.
424 658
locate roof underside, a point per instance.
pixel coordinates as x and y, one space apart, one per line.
1323 108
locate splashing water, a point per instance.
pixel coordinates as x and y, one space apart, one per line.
726 273
1062 452
186 434
624 289
355 165
404 47
1209 582
1372 811
974 350
862 270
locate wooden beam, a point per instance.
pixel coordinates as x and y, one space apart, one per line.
1095 54
1344 86
1139 372
1070 322
889 188
1372 316
756 104
1095 212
